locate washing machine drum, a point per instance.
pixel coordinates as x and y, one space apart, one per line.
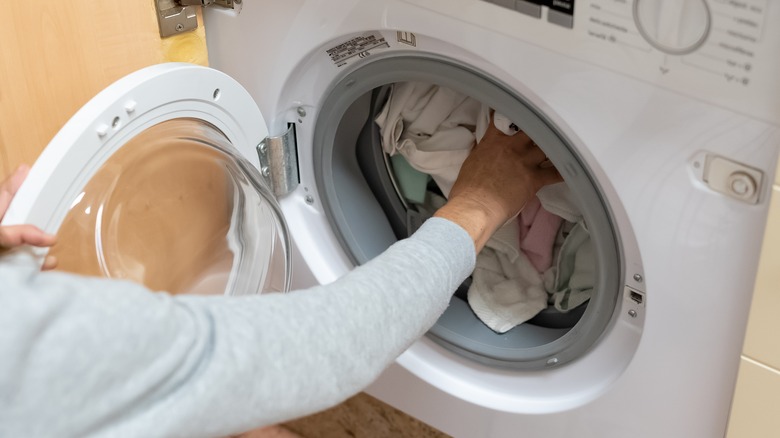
365 206
151 182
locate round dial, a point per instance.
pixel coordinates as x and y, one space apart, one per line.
676 27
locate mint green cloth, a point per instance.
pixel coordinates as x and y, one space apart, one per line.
411 182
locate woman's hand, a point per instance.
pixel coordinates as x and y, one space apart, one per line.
18 235
500 175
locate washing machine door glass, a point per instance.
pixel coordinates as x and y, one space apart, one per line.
173 203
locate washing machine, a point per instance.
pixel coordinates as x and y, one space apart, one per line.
661 115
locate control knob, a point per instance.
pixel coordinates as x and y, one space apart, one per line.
676 27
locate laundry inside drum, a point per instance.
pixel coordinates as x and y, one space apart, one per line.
177 210
545 287
537 269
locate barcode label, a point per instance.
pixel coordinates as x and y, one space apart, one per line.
357 48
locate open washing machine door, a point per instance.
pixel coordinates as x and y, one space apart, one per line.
156 180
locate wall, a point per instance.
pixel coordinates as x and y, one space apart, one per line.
757 397
56 55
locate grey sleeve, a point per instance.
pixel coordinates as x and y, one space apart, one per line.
93 357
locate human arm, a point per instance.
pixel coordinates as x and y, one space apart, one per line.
91 357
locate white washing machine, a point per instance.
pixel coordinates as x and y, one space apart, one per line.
662 116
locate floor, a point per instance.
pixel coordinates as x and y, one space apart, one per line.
361 416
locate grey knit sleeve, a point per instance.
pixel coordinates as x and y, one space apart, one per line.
92 357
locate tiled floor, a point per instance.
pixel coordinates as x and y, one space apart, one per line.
361 416
270 432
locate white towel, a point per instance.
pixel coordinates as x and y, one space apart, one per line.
560 201
432 127
506 289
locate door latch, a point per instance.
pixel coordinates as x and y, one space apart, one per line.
731 178
178 16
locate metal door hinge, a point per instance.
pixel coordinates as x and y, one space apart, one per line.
177 16
279 161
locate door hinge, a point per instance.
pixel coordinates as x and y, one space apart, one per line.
177 16
279 161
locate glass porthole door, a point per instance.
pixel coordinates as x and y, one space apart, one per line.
155 180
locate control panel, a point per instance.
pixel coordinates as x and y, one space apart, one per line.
726 52
560 12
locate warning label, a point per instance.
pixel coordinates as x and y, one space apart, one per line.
356 48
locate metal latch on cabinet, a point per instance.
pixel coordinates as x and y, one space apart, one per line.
177 16
279 161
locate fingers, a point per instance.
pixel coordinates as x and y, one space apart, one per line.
520 142
530 153
18 235
535 155
13 182
10 186
492 133
544 171
49 263
5 201
547 176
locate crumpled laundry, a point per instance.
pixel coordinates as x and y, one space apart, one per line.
559 200
538 229
517 273
570 283
502 123
432 127
506 289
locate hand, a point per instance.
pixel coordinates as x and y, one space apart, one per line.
18 235
497 179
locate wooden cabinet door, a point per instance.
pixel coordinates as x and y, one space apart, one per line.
55 56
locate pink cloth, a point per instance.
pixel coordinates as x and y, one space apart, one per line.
538 228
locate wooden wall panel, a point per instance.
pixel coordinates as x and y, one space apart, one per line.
55 56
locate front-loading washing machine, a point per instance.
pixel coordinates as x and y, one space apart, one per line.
662 117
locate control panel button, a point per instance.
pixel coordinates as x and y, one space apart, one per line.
561 12
676 27
560 18
510 4
532 9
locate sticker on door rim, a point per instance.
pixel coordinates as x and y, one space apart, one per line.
359 47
